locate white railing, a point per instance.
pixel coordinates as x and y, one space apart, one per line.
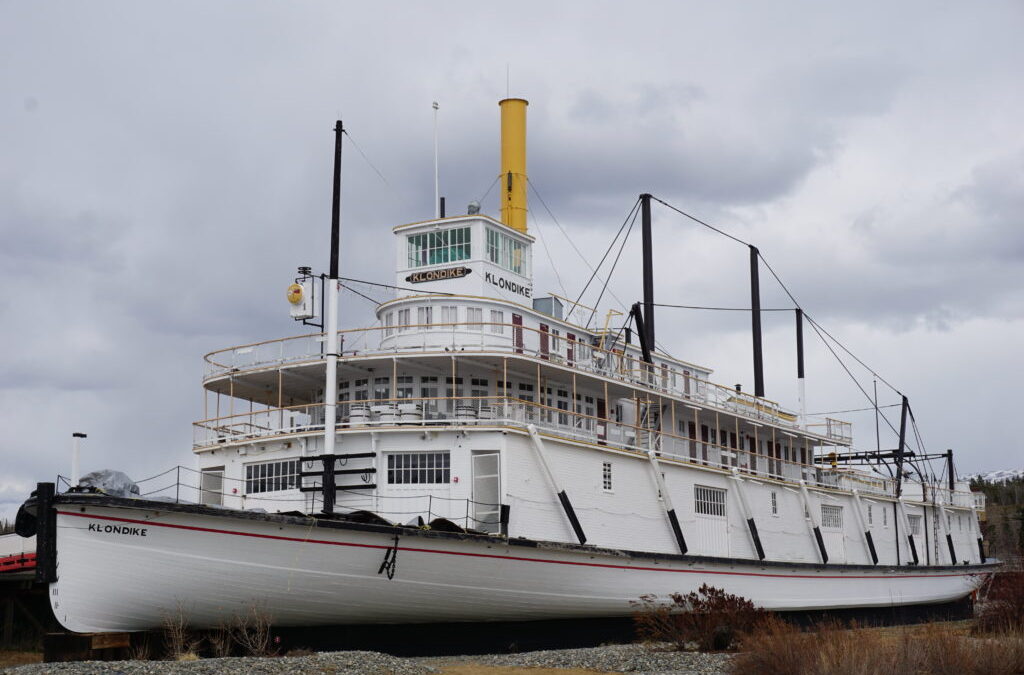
500 411
464 338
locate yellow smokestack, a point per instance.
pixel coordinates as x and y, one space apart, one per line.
513 163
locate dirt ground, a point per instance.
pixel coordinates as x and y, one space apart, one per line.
19 658
478 669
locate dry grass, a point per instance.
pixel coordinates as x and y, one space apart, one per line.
251 632
778 648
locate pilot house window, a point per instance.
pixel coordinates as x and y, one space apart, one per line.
436 248
507 252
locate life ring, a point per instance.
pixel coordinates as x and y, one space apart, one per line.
295 294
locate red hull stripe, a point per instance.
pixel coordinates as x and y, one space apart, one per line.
510 557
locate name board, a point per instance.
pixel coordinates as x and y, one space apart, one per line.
438 275
506 285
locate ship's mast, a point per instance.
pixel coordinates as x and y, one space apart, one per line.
331 385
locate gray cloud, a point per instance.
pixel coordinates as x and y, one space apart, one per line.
166 168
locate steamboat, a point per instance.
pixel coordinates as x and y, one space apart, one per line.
481 454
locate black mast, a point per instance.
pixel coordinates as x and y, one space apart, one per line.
648 245
755 322
328 479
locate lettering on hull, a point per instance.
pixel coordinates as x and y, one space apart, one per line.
119 529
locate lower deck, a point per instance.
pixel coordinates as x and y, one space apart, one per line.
492 478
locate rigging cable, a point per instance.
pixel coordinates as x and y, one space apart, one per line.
615 264
360 150
547 252
572 243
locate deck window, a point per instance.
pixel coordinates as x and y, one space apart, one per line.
831 516
449 314
497 322
425 315
606 476
419 468
475 318
271 476
436 248
709 501
775 503
389 322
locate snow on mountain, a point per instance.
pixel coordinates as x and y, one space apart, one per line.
1000 476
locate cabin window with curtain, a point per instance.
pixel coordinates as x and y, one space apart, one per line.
475 318
708 501
425 315
497 322
403 320
915 525
419 468
271 476
832 516
435 248
506 252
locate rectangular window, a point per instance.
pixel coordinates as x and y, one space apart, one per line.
403 386
271 476
389 322
430 468
871 517
449 314
425 315
831 516
475 318
915 525
526 391
708 501
507 252
775 503
497 322
606 476
434 248
381 388
403 319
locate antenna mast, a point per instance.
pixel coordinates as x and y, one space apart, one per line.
331 383
437 187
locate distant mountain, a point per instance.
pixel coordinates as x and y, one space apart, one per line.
1000 476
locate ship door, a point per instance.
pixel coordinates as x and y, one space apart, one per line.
486 500
570 350
517 333
544 349
211 486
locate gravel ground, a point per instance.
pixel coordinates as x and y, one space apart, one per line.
614 658
611 658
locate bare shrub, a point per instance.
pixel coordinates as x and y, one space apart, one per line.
141 648
1003 608
178 638
220 641
251 631
709 617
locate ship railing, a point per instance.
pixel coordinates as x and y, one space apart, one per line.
505 338
779 459
185 485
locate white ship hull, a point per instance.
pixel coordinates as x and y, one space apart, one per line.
126 568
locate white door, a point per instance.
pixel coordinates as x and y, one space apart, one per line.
486 506
211 487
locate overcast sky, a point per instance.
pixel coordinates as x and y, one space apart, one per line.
165 167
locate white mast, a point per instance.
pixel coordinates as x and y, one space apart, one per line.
437 186
331 383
